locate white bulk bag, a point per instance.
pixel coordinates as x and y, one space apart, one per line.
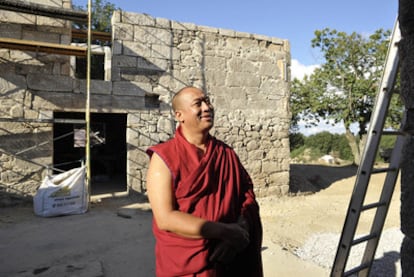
62 194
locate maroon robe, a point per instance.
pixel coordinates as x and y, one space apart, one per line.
216 188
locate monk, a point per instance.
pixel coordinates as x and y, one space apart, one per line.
206 218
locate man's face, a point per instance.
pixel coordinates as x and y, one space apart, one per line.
195 110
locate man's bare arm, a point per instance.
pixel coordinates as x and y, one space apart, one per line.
161 197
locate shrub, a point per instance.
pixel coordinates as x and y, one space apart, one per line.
315 146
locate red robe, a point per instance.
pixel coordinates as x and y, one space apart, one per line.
216 188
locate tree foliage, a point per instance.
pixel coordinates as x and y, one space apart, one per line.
101 15
296 140
323 143
344 87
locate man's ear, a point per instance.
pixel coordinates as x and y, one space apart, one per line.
178 116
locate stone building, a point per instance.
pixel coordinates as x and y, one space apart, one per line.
43 95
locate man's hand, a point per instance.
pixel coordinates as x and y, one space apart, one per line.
236 240
222 253
236 236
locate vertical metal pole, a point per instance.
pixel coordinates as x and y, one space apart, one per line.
87 108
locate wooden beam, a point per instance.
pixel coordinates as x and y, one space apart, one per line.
45 121
37 46
83 34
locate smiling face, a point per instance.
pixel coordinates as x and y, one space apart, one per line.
193 110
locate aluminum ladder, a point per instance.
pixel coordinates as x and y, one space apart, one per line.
356 206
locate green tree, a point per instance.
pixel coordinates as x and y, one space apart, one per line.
344 87
321 141
101 15
296 140
320 144
340 145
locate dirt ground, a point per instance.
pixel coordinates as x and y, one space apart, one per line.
114 237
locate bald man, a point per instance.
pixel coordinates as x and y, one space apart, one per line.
206 218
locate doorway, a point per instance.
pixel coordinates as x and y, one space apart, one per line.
108 148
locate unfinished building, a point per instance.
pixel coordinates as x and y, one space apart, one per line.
43 93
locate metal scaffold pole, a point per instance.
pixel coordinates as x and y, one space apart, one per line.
87 108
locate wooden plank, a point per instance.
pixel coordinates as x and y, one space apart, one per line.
37 46
83 34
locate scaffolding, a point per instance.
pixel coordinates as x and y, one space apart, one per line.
53 48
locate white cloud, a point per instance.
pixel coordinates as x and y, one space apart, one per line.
332 128
322 126
299 70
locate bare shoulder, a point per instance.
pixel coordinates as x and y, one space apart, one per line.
157 170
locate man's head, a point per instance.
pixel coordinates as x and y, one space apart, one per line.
193 109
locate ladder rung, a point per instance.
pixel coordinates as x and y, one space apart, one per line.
356 269
396 133
382 170
373 205
399 133
409 132
364 238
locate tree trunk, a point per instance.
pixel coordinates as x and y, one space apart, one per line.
406 52
354 146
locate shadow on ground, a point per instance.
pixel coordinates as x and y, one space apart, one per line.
309 178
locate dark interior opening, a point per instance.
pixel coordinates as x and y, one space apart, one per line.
97 67
108 148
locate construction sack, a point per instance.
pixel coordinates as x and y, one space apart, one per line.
62 194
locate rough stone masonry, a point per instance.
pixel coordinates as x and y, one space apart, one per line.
246 76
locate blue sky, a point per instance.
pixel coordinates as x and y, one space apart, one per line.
295 20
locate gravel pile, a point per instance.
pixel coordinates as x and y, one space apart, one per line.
321 249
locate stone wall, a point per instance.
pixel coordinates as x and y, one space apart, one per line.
23 154
245 75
